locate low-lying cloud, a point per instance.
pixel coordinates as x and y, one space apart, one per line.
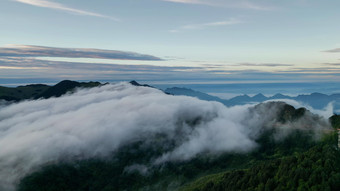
96 122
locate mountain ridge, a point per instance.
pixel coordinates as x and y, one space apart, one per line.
35 91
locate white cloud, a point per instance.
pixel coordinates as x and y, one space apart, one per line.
58 6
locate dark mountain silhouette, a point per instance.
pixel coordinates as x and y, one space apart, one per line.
22 92
135 83
65 86
36 91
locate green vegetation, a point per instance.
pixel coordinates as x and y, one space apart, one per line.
318 168
335 121
22 92
268 168
315 169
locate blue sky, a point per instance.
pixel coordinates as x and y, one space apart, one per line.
165 41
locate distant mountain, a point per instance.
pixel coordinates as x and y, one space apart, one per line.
316 100
280 96
243 99
260 97
192 93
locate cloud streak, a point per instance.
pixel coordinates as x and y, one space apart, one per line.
29 70
264 64
335 50
200 26
223 3
44 51
58 6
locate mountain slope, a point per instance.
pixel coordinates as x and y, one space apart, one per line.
35 91
64 87
22 92
316 169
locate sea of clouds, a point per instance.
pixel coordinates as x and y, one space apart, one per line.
93 123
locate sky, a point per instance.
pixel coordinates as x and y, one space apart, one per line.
170 41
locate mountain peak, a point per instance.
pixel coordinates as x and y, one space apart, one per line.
279 96
260 95
135 83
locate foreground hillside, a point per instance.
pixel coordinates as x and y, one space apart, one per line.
316 169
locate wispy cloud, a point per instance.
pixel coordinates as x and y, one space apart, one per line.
192 2
332 64
43 51
333 50
231 21
264 64
225 3
319 70
58 6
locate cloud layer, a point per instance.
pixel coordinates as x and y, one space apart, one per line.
96 122
44 51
